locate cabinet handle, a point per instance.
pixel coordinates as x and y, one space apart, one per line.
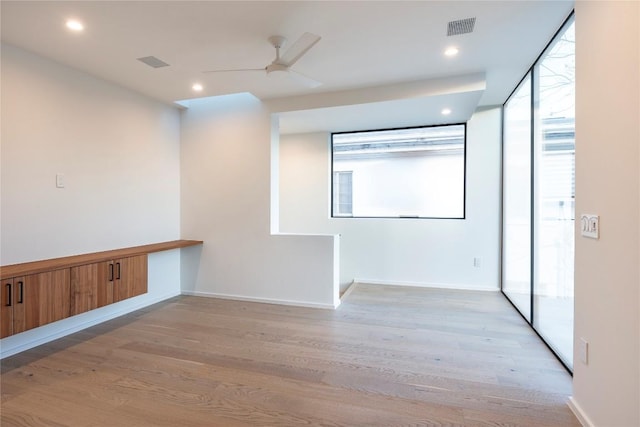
21 294
9 302
111 272
117 270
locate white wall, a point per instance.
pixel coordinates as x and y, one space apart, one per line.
430 252
119 152
607 279
226 151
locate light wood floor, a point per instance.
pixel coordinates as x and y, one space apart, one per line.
389 356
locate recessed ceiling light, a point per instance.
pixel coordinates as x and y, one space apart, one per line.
446 111
74 25
197 87
451 51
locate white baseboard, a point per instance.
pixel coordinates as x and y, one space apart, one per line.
260 300
26 343
459 286
349 289
579 413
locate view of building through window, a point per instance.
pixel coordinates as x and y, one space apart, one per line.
516 198
400 173
343 191
554 193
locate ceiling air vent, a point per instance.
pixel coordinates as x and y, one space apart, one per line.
461 26
154 62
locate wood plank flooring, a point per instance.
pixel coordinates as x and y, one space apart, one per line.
389 356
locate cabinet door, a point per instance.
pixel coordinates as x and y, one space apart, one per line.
138 279
6 309
130 277
45 298
84 288
106 275
18 304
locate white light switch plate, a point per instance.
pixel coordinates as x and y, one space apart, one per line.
59 180
583 351
590 226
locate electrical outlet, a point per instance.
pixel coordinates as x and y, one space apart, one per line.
583 349
590 226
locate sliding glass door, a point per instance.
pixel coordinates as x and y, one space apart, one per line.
539 194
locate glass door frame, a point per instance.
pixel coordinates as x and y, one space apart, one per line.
532 75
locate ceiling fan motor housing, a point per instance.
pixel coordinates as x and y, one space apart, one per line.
275 67
277 41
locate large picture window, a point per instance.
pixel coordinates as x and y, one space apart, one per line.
400 173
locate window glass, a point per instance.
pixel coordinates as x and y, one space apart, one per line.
412 173
516 193
539 194
342 190
554 193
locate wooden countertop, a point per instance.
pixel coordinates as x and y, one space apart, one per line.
33 267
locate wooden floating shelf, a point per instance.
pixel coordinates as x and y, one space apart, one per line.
34 267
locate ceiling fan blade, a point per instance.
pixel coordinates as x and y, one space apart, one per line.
299 48
234 69
302 79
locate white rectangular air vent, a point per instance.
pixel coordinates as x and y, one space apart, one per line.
461 26
154 62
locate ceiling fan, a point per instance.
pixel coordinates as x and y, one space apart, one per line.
283 64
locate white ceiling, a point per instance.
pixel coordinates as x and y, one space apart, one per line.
364 44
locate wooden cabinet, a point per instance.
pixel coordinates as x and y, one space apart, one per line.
37 299
46 298
130 277
7 309
99 284
105 280
84 288
40 292
34 300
